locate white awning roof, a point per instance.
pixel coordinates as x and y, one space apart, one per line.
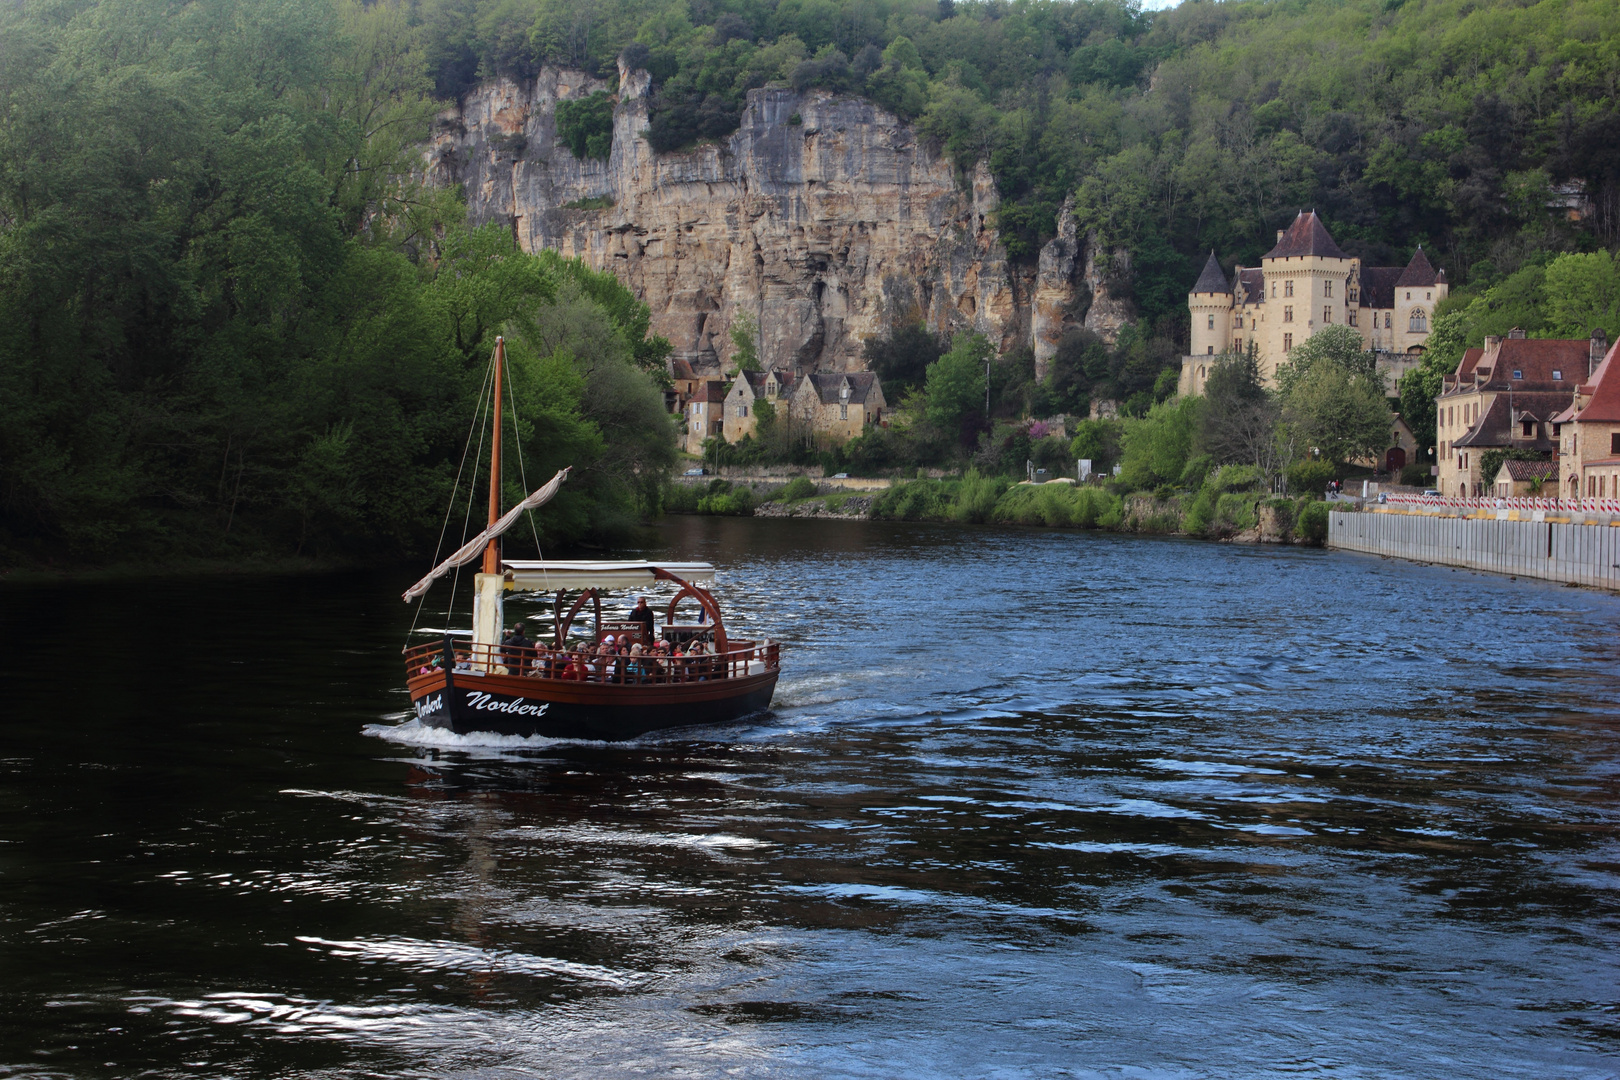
551 575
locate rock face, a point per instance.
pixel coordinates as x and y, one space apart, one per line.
823 217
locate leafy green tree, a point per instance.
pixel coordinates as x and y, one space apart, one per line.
585 125
744 344
1583 294
955 386
901 358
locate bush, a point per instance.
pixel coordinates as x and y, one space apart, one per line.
738 502
918 500
585 125
1310 475
976 497
1417 476
1313 523
681 499
800 487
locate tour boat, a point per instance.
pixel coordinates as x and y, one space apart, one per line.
482 683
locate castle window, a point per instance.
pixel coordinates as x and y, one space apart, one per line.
1212 322
1288 342
1409 294
1529 429
1351 315
843 412
1327 289
1288 314
1327 315
1419 323
1251 323
1237 346
1386 320
1237 323
1354 294
1211 350
1428 296
1288 288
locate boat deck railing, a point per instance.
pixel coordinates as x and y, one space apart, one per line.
742 658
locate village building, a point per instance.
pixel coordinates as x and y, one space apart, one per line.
1303 285
1524 478
1506 396
1589 431
742 401
837 405
705 415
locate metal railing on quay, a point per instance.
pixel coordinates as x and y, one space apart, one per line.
1503 502
620 669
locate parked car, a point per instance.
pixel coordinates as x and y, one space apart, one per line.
697 472
840 476
1431 491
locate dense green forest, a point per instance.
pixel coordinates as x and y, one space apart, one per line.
233 318
1442 122
233 322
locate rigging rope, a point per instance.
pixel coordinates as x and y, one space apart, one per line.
450 506
522 472
477 458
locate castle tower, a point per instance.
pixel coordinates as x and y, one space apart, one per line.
1211 305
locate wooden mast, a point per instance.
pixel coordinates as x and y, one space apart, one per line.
492 559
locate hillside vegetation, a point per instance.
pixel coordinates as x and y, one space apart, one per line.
1444 122
232 323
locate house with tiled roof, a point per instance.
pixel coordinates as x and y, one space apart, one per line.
705 415
1522 478
1304 284
744 398
1506 396
1589 431
837 405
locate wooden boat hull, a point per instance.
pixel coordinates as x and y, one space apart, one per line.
557 709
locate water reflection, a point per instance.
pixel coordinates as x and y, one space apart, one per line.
1029 804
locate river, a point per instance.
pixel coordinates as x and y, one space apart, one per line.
1030 804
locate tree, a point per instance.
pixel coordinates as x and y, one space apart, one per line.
1332 346
1342 414
744 344
955 386
901 359
1239 424
1583 294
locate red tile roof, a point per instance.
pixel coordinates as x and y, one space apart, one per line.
1530 470
1306 236
1604 406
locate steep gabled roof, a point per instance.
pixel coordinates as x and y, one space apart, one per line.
1378 286
1465 367
1306 236
1496 427
1536 360
1213 279
1419 273
680 369
1604 406
828 385
1252 286
756 383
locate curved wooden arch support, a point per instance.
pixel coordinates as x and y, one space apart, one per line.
706 601
568 620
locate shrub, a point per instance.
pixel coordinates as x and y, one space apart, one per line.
976 497
1234 513
1238 478
738 502
917 500
1313 523
1416 476
681 499
1310 475
800 487
585 125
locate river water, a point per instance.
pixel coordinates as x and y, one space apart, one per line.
1030 804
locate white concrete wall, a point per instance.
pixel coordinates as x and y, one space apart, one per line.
1578 554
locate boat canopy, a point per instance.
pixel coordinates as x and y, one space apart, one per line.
553 575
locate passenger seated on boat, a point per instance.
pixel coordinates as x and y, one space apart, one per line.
576 670
515 650
463 662
636 665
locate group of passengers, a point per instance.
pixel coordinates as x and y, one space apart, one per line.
615 659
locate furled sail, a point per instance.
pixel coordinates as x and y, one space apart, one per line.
475 547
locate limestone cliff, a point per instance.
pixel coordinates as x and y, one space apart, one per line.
823 217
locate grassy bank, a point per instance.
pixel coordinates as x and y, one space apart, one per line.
1228 504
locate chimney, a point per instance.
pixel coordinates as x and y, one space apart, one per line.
1279 235
1599 346
1516 334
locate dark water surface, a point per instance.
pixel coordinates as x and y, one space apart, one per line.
1030 805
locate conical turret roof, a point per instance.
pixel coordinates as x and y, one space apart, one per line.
1419 273
1213 279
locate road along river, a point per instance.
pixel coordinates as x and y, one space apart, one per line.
1030 804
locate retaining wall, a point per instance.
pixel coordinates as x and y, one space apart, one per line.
1579 554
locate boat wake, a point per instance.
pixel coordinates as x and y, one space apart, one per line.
414 733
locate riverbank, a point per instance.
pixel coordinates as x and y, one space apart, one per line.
1225 506
22 575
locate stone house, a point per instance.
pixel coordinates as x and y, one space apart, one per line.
1522 478
1303 284
742 401
837 405
704 415
1505 396
1589 432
